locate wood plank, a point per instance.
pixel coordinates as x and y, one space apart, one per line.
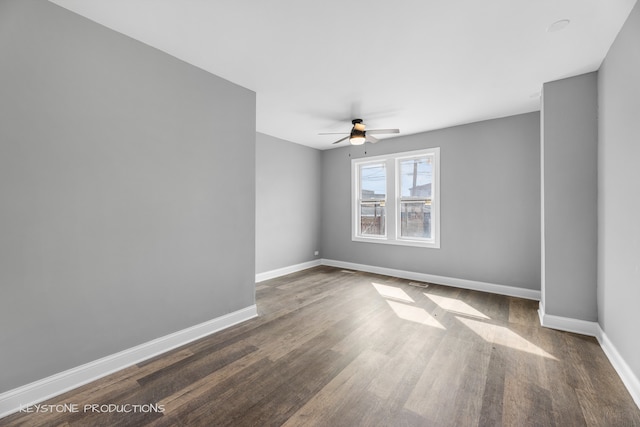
449 390
334 397
526 404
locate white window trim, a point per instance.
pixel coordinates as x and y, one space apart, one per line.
392 203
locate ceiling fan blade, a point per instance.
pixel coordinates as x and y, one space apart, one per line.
341 139
384 131
371 139
334 133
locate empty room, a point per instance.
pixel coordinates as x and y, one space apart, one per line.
409 213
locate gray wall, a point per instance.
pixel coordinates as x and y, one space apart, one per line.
569 172
618 187
490 206
127 193
287 203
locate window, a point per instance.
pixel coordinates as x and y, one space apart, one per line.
372 199
395 199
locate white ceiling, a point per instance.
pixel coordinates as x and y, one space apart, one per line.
413 64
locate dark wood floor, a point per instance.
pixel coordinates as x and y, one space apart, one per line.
339 348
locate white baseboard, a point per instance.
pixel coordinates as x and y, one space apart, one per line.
441 280
627 376
261 277
567 324
62 382
630 380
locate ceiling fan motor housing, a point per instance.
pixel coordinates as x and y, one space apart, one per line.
358 129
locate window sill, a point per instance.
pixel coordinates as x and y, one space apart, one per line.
385 241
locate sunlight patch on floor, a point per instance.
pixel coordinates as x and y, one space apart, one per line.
456 306
414 314
503 336
392 292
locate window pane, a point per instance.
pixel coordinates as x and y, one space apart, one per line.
373 182
416 177
372 219
415 219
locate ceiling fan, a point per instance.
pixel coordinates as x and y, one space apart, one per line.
358 135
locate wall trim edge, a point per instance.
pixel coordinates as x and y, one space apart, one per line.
272 274
440 280
38 391
567 324
629 379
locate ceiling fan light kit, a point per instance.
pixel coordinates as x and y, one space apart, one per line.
357 136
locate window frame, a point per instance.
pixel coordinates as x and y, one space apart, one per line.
393 199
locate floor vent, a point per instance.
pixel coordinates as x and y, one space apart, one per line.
348 271
419 284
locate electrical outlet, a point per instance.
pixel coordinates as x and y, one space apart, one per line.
316 253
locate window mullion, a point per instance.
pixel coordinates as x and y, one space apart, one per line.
391 192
